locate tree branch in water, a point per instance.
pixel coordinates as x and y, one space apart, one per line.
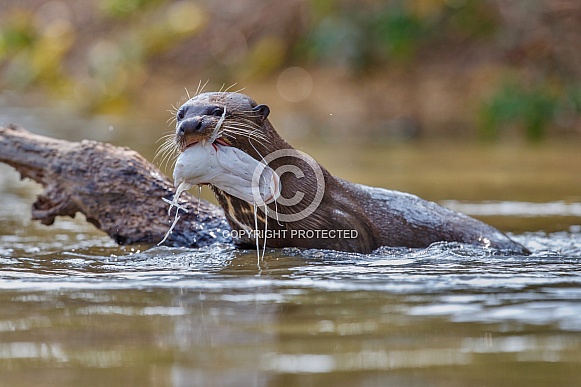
117 189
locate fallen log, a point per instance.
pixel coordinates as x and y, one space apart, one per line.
117 189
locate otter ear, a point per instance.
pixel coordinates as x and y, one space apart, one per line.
262 110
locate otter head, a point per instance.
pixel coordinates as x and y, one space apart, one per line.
226 140
222 138
231 119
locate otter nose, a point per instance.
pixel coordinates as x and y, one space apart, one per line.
191 126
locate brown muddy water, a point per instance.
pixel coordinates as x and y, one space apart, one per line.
77 310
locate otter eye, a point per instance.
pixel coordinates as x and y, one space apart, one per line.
180 114
217 112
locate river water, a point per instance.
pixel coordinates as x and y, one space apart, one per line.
75 309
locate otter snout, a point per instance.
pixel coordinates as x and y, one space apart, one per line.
191 130
192 126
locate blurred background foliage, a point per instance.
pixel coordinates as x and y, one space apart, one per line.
374 69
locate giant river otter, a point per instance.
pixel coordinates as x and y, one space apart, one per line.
276 196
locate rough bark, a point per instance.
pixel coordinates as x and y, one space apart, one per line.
117 190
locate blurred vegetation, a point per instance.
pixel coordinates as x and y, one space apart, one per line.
362 37
519 62
533 109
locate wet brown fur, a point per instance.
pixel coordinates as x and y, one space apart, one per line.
381 217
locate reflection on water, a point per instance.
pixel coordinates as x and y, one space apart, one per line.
75 309
446 315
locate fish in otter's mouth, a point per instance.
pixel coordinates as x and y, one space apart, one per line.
227 168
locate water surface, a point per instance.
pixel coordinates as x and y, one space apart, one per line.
75 309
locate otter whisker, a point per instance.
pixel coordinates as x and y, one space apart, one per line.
168 140
248 134
164 141
248 113
229 135
231 86
235 122
165 137
243 116
173 111
166 151
243 126
166 159
162 150
164 147
258 140
200 88
244 129
235 135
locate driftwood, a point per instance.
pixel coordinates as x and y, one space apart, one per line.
117 190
